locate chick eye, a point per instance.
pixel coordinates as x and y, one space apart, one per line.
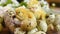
14 16
50 13
18 12
47 16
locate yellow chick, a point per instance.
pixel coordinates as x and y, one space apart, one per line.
35 7
28 19
40 14
32 2
24 13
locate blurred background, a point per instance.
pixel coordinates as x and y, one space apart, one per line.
56 3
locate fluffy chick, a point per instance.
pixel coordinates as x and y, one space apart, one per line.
28 19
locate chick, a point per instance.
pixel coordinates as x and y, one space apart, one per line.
32 2
51 18
9 19
57 20
18 31
40 32
50 27
40 14
44 4
42 26
57 23
58 27
35 7
32 31
27 18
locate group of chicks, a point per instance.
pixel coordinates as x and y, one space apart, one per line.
32 19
